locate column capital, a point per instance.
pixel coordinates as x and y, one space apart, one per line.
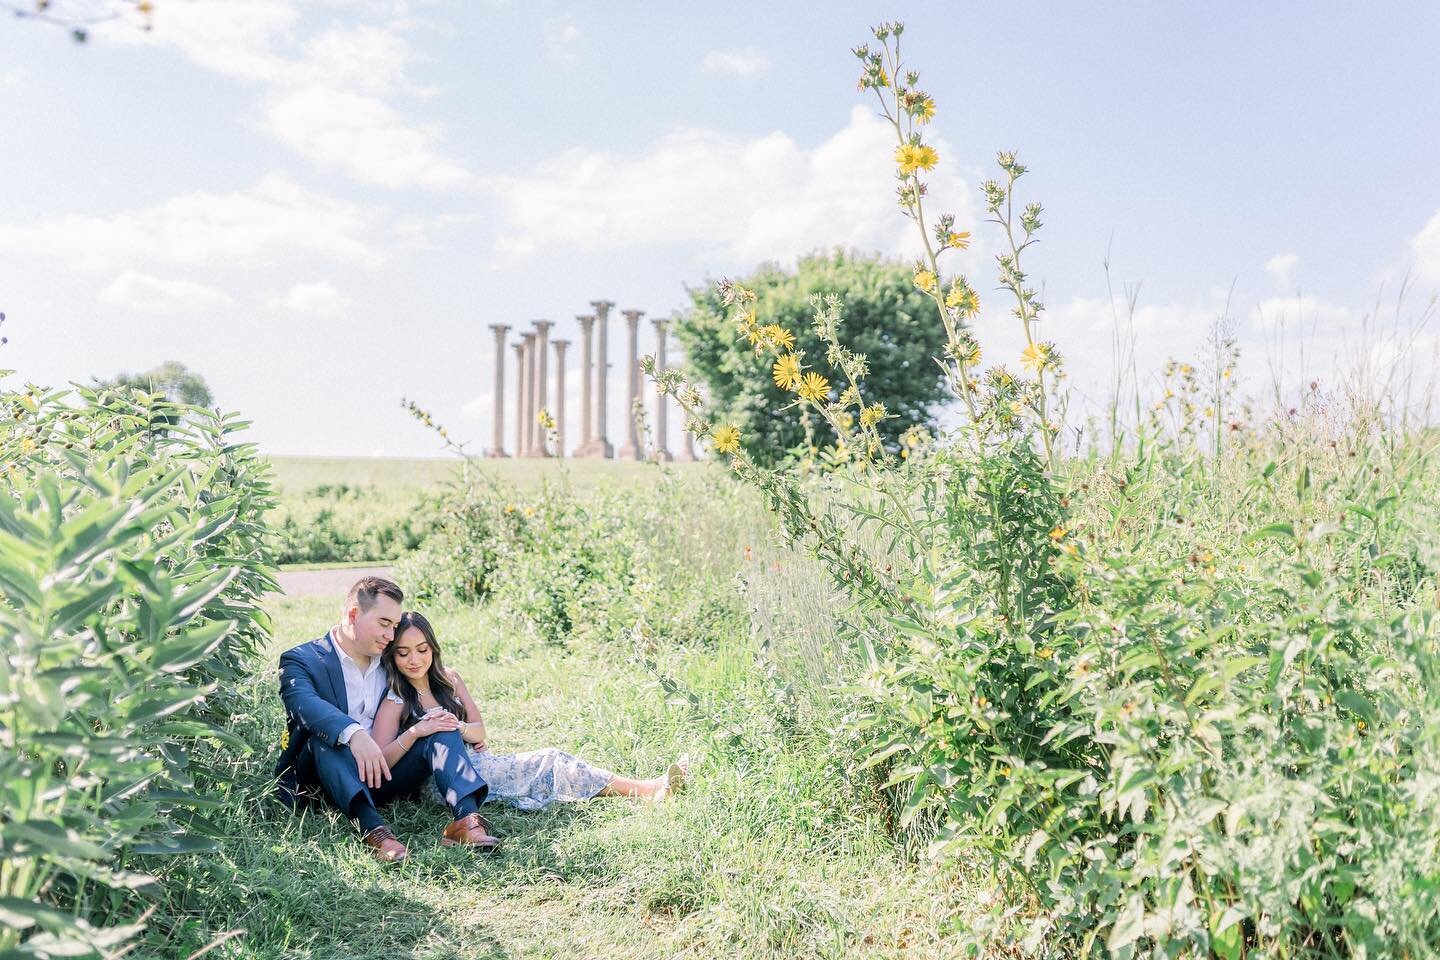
528 337
560 343
500 328
543 326
660 323
586 321
632 317
602 307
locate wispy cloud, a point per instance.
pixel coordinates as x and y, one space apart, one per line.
562 36
1425 247
766 198
742 63
318 299
145 293
330 96
1280 268
275 217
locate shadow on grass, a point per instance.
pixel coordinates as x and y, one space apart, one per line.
303 886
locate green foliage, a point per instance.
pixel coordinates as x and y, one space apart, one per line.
343 522
892 324
560 564
1181 705
175 381
132 559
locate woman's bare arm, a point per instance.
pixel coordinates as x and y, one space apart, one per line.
474 730
386 732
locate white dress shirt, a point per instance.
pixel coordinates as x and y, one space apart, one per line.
364 689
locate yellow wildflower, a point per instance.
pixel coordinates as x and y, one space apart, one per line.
1035 356
962 297
814 387
779 336
27 445
285 739
509 508
915 156
872 414
925 112
545 420
727 439
925 280
529 511
1058 533
1045 653
787 372
960 240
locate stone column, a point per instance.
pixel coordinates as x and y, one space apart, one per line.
497 415
542 381
531 369
662 402
587 360
519 397
559 410
602 361
631 449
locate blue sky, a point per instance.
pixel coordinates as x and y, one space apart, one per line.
320 205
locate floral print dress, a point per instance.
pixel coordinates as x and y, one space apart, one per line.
534 779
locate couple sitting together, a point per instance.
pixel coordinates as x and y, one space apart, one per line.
372 713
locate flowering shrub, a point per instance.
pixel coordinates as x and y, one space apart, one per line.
1150 743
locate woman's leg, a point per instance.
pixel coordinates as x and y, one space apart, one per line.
625 787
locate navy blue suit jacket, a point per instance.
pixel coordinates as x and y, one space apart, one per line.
312 687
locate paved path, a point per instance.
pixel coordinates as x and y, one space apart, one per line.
325 583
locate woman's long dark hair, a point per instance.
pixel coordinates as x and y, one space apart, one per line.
440 686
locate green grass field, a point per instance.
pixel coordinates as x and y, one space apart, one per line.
767 853
297 474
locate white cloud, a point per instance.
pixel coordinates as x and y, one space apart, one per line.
742 63
318 299
273 217
144 293
767 198
1425 247
328 98
1280 267
1302 315
562 34
362 136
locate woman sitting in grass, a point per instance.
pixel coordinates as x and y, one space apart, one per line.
427 698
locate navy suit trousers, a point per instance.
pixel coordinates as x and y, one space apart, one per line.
440 754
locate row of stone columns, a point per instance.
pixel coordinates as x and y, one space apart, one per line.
532 386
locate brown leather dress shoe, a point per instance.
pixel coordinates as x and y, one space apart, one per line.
469 831
383 845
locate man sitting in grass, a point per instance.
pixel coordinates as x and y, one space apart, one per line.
331 688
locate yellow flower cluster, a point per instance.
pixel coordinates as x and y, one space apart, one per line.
915 156
872 414
926 280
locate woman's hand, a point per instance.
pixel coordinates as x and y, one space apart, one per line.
436 721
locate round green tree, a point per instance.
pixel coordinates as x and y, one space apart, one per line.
886 318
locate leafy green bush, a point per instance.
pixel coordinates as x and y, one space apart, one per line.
132 558
892 320
1181 705
341 522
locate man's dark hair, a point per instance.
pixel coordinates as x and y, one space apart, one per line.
366 589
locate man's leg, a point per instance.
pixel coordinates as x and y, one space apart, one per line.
444 756
335 767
